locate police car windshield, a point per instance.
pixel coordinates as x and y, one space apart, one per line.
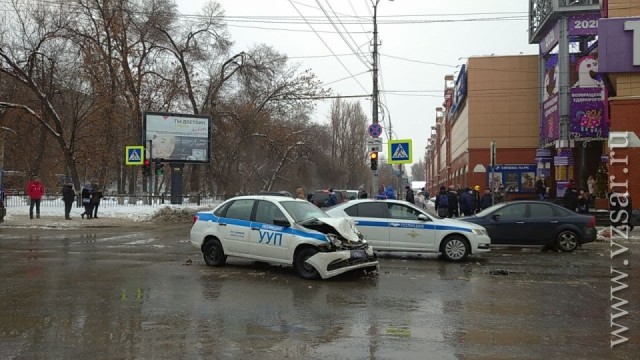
301 211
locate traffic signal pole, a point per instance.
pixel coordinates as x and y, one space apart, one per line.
374 181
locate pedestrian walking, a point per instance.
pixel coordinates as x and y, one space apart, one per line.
591 186
68 196
381 193
35 190
86 201
453 202
96 195
476 198
361 193
409 195
421 200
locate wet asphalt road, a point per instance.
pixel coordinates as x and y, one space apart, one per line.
145 293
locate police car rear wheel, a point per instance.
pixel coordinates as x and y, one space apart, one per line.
214 253
455 248
306 271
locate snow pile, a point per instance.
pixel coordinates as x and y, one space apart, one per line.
176 214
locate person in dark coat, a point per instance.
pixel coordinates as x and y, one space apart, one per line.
442 203
570 199
362 194
68 196
466 202
409 196
486 200
86 201
541 188
453 202
332 199
96 195
583 202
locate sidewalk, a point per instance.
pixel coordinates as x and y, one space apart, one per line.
58 222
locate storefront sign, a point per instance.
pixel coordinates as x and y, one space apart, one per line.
619 45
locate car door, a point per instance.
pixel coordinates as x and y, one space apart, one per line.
508 225
542 224
268 240
235 226
407 231
371 220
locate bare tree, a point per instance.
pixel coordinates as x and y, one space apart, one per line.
418 171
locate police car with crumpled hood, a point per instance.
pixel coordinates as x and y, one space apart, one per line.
281 230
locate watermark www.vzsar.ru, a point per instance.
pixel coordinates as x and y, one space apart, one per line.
620 216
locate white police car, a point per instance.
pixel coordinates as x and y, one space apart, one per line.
395 225
281 230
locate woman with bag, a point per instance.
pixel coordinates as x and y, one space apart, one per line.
86 201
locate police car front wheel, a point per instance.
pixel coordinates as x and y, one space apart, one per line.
214 253
455 248
306 270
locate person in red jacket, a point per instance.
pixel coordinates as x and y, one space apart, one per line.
35 190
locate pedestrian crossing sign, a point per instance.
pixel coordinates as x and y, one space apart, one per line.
134 155
399 152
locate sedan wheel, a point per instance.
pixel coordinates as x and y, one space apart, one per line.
305 270
214 253
455 249
567 241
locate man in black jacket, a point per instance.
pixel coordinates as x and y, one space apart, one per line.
409 196
68 196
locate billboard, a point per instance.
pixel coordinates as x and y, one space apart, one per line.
550 101
181 138
587 101
618 41
514 178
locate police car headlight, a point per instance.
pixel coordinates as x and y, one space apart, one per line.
480 232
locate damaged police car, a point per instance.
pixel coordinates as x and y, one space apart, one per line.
281 230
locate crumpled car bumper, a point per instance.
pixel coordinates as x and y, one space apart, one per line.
329 264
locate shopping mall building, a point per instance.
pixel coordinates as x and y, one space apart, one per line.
565 114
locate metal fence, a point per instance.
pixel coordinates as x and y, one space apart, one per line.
118 200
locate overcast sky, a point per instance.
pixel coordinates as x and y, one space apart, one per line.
417 47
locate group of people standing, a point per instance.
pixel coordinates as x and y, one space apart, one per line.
91 195
454 202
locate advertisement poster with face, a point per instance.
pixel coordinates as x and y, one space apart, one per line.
550 98
177 137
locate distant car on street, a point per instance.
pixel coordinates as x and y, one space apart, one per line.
536 223
351 194
396 225
281 230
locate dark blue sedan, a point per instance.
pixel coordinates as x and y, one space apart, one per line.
535 223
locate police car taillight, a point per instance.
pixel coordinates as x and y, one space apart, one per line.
195 218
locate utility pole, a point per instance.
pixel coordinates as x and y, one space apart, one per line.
374 115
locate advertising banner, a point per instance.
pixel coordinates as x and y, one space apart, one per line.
178 138
587 100
550 98
550 40
583 24
514 178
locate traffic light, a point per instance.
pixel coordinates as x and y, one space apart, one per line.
159 167
373 157
146 168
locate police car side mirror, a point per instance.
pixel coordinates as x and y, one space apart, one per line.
495 217
281 222
423 217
